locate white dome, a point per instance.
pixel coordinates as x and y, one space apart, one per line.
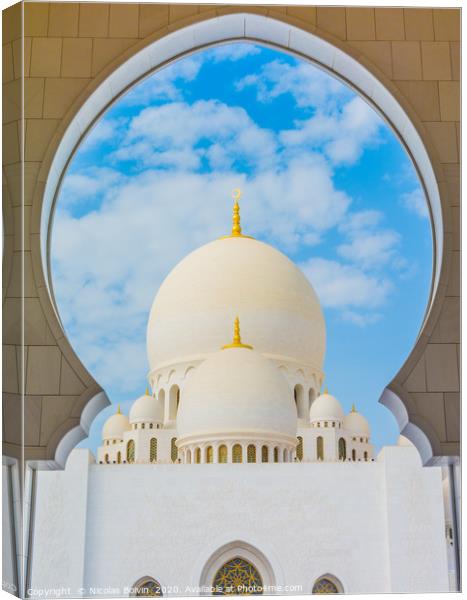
326 408
147 409
404 441
115 426
199 299
356 423
237 392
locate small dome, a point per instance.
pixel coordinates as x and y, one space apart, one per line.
326 408
404 441
237 392
115 426
147 409
356 423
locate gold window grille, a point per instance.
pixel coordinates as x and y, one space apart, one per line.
325 586
153 450
264 454
299 450
173 449
237 453
251 453
222 454
237 577
130 451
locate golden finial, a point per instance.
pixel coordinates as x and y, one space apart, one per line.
236 225
354 410
237 340
326 390
147 390
118 409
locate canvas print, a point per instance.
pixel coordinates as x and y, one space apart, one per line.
231 302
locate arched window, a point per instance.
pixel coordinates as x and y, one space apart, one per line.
284 455
365 455
237 576
251 453
209 454
276 454
130 451
153 450
147 587
188 456
222 454
197 455
237 453
354 455
299 449
119 457
106 458
319 448
327 585
173 449
264 454
342 449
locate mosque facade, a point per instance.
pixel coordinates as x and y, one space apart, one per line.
234 473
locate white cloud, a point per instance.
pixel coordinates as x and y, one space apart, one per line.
371 249
342 134
308 85
182 135
346 287
165 83
415 202
231 52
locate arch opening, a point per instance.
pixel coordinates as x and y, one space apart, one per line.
300 43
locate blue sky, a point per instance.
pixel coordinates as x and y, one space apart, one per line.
324 180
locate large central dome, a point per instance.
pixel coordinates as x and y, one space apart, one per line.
232 276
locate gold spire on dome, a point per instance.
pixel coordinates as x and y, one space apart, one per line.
237 340
119 412
326 390
354 410
236 224
147 390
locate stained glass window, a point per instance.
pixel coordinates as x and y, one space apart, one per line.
237 453
209 454
237 576
130 451
251 453
342 449
319 448
325 586
264 454
173 449
153 450
300 448
148 588
222 454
